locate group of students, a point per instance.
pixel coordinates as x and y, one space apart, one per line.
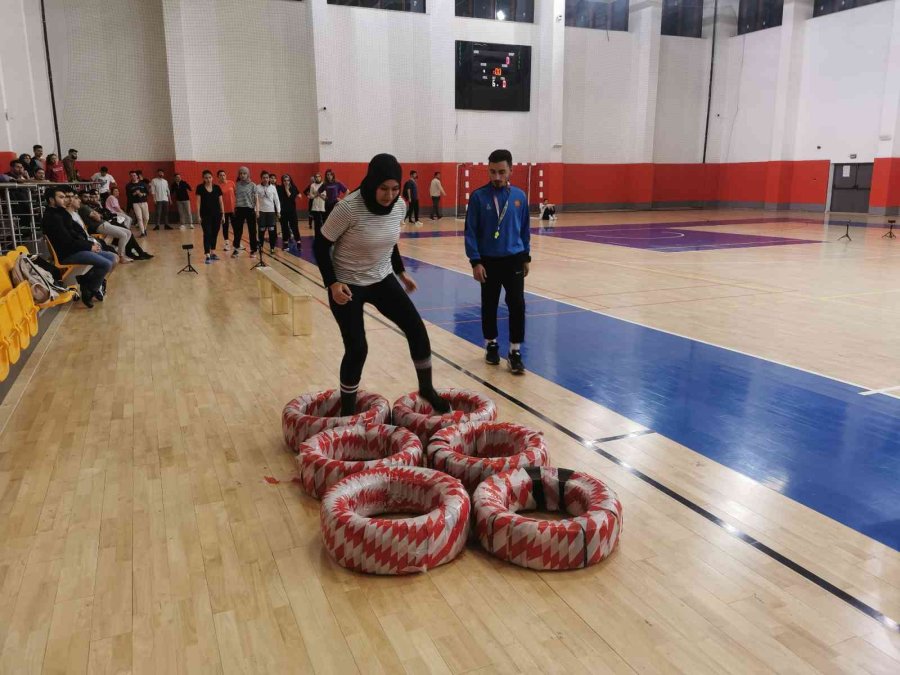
360 262
72 222
36 168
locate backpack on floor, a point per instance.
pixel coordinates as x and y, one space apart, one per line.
43 286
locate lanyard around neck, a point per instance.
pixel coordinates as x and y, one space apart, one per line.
500 214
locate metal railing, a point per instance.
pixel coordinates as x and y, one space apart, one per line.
21 212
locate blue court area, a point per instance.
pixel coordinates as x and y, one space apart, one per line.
673 237
814 439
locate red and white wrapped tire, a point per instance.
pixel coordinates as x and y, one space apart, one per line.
375 545
334 454
473 451
416 414
309 414
584 539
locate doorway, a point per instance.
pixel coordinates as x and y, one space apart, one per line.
850 188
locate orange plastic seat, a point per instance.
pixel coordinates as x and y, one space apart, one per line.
29 309
9 334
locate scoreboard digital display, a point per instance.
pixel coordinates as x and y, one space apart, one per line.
493 76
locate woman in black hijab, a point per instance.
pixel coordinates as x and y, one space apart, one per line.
359 260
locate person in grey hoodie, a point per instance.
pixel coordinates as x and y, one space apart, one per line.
246 204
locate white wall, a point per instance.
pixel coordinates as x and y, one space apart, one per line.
378 92
744 100
242 80
24 86
270 80
109 74
843 80
681 100
598 97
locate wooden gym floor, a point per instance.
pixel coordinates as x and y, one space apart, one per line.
139 532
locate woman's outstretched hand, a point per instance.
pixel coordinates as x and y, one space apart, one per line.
340 293
408 282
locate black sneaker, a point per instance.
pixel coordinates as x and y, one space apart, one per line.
492 353
86 296
516 366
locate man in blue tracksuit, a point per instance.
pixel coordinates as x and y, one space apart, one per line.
498 244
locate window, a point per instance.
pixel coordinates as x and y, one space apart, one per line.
501 10
682 18
597 14
823 7
758 15
398 5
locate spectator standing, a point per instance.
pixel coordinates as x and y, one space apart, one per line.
309 200
37 159
56 172
267 210
211 208
287 196
317 203
159 187
333 190
71 166
181 189
25 158
136 190
105 179
411 194
436 190
245 208
227 188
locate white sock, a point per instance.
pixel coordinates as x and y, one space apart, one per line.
515 346
490 342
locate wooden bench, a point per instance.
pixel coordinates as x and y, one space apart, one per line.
286 296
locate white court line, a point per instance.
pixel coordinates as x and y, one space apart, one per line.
872 392
669 332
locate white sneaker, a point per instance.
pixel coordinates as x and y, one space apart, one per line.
192 226
227 247
241 247
418 223
182 228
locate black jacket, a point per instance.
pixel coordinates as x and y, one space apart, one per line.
66 236
288 201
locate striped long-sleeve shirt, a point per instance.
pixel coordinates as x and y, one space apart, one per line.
245 194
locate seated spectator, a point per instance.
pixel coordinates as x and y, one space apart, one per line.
110 219
17 173
56 172
548 210
25 158
111 204
40 176
73 246
95 224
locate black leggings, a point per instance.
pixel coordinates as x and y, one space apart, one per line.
289 227
228 221
392 301
244 214
318 219
509 274
210 223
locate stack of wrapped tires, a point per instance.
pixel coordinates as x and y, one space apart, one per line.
399 495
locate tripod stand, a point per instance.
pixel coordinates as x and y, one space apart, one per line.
260 263
846 234
890 233
188 267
